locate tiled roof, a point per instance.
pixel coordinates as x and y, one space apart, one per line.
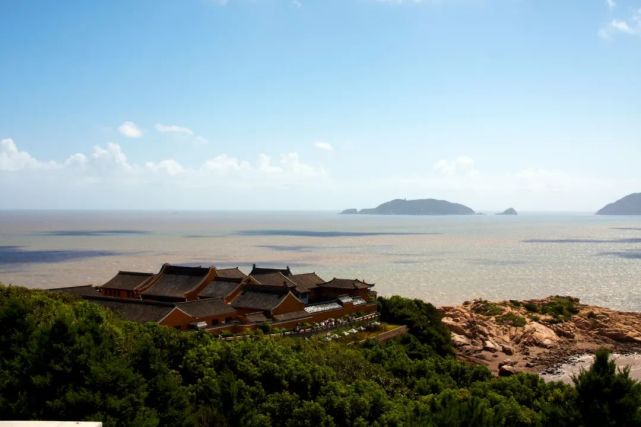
258 300
306 281
127 280
219 289
86 290
267 270
230 273
135 310
206 308
274 279
175 281
257 317
346 284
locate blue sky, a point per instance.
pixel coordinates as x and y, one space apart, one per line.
250 104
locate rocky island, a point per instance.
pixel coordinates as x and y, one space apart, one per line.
537 335
415 207
509 211
629 205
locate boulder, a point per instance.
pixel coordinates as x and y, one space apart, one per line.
507 371
508 362
536 334
490 346
453 326
621 335
460 340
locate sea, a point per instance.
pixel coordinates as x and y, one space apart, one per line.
441 259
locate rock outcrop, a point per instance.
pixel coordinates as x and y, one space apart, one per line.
534 335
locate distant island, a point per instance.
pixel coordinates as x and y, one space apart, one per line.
414 207
629 205
509 211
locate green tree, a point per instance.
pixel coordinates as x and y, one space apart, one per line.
607 396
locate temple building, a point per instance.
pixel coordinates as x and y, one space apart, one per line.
227 299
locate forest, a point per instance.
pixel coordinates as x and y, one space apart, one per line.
63 358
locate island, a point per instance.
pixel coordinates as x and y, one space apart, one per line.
509 211
415 207
629 205
349 211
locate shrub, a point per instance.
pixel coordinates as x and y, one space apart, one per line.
487 308
422 319
560 308
512 319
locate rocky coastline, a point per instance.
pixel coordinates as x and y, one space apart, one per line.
537 336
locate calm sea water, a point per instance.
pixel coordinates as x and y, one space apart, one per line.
444 260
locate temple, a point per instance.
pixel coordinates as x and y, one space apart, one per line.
228 300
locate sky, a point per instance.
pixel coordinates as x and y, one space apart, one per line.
319 104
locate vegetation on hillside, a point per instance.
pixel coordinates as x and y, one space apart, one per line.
67 359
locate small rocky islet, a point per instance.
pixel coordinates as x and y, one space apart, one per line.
508 211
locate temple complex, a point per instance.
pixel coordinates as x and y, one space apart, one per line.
228 300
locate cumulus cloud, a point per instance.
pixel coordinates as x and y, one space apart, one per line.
460 166
169 166
12 159
174 129
130 130
611 3
325 146
224 164
111 160
110 157
182 132
630 26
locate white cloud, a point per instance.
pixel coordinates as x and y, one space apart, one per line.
174 129
611 3
325 146
292 164
76 160
169 166
460 166
110 158
630 26
265 164
12 159
224 164
130 130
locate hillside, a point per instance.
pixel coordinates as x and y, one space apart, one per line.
415 207
629 205
64 358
